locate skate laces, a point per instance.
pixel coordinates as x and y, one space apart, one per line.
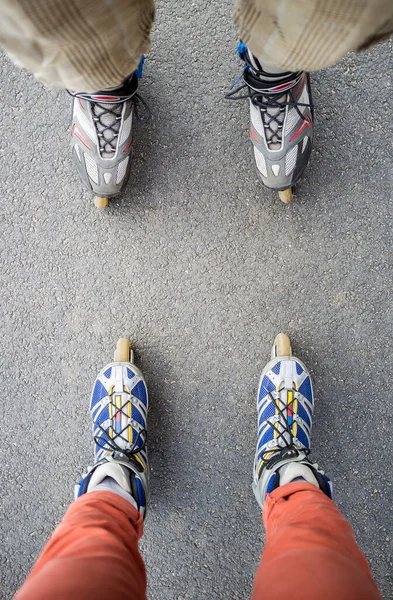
119 441
273 105
282 428
107 117
107 120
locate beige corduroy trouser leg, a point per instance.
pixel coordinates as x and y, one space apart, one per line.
90 45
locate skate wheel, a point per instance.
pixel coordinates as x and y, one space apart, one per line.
100 201
286 196
123 352
282 346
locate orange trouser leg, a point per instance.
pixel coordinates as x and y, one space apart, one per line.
93 554
310 552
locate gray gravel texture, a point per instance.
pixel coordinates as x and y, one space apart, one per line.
201 267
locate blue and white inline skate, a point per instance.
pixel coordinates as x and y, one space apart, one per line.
118 407
285 407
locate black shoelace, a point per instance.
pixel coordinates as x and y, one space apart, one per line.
107 118
107 443
136 99
272 105
283 428
264 100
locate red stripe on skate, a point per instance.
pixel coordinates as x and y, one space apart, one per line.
254 135
128 145
81 103
106 98
280 88
75 131
306 123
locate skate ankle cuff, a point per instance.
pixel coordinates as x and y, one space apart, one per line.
295 470
115 471
284 470
110 485
131 478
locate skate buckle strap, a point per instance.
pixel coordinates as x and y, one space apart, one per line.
288 453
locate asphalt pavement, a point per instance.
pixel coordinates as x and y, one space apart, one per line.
201 267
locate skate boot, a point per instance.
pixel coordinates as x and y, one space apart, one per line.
101 136
281 129
118 408
285 409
